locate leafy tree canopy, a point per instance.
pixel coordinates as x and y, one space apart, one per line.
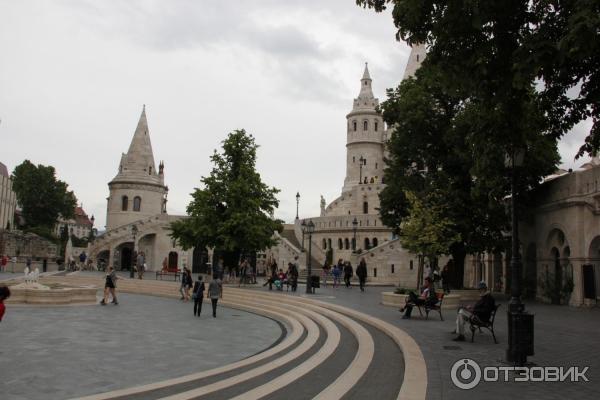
498 51
42 197
233 211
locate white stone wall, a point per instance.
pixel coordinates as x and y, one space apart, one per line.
8 203
151 205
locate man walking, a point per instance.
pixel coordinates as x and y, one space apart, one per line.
348 272
361 272
140 264
215 292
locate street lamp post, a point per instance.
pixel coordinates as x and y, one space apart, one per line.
303 228
520 323
297 203
134 232
309 228
360 165
354 228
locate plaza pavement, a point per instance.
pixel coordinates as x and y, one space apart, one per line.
564 336
63 352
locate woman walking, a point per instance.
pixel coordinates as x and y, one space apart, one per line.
110 287
336 272
215 292
198 295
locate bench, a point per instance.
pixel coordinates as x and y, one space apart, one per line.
174 272
432 307
476 323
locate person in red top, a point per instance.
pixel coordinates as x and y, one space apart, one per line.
4 294
3 263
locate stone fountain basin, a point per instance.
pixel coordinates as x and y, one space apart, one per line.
54 293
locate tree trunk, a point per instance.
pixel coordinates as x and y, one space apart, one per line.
458 256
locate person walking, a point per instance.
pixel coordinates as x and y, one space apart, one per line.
140 261
325 273
198 295
361 272
4 294
244 266
110 287
445 275
336 272
82 258
214 293
348 272
3 263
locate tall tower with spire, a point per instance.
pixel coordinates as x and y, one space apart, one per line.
365 138
138 189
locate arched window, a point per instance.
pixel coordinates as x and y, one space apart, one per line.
124 203
137 203
354 125
347 244
324 244
329 243
365 207
365 125
376 125
353 159
340 244
367 244
375 242
150 170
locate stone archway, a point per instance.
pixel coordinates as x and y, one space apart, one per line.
126 258
102 259
591 271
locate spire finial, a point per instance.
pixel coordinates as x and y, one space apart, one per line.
144 108
366 74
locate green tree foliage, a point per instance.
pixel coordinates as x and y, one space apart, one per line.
42 197
469 106
429 231
233 211
497 50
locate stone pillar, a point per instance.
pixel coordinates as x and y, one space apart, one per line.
577 295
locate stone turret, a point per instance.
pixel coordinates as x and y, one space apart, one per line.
365 138
418 53
138 189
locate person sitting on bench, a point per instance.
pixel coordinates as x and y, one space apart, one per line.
481 310
426 298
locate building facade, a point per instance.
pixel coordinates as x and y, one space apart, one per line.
136 214
8 200
80 225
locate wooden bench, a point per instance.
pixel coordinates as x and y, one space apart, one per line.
432 307
476 323
174 272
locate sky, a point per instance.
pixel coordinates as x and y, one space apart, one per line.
74 75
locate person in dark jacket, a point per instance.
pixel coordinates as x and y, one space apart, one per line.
214 293
445 275
348 272
198 295
481 310
361 272
427 297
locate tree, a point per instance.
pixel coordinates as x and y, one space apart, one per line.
233 211
42 197
428 231
455 122
499 49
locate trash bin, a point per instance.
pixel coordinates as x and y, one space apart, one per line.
315 282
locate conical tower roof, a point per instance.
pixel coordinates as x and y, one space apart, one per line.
365 101
137 165
418 53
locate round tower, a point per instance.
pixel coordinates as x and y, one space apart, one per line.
138 190
365 138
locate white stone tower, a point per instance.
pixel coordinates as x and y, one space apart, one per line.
138 190
365 138
418 53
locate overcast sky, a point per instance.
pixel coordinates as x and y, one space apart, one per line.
75 74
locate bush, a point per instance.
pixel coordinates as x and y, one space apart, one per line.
400 290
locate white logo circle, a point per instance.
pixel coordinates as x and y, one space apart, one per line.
469 375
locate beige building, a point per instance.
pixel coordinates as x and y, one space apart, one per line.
8 200
350 226
136 213
80 225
